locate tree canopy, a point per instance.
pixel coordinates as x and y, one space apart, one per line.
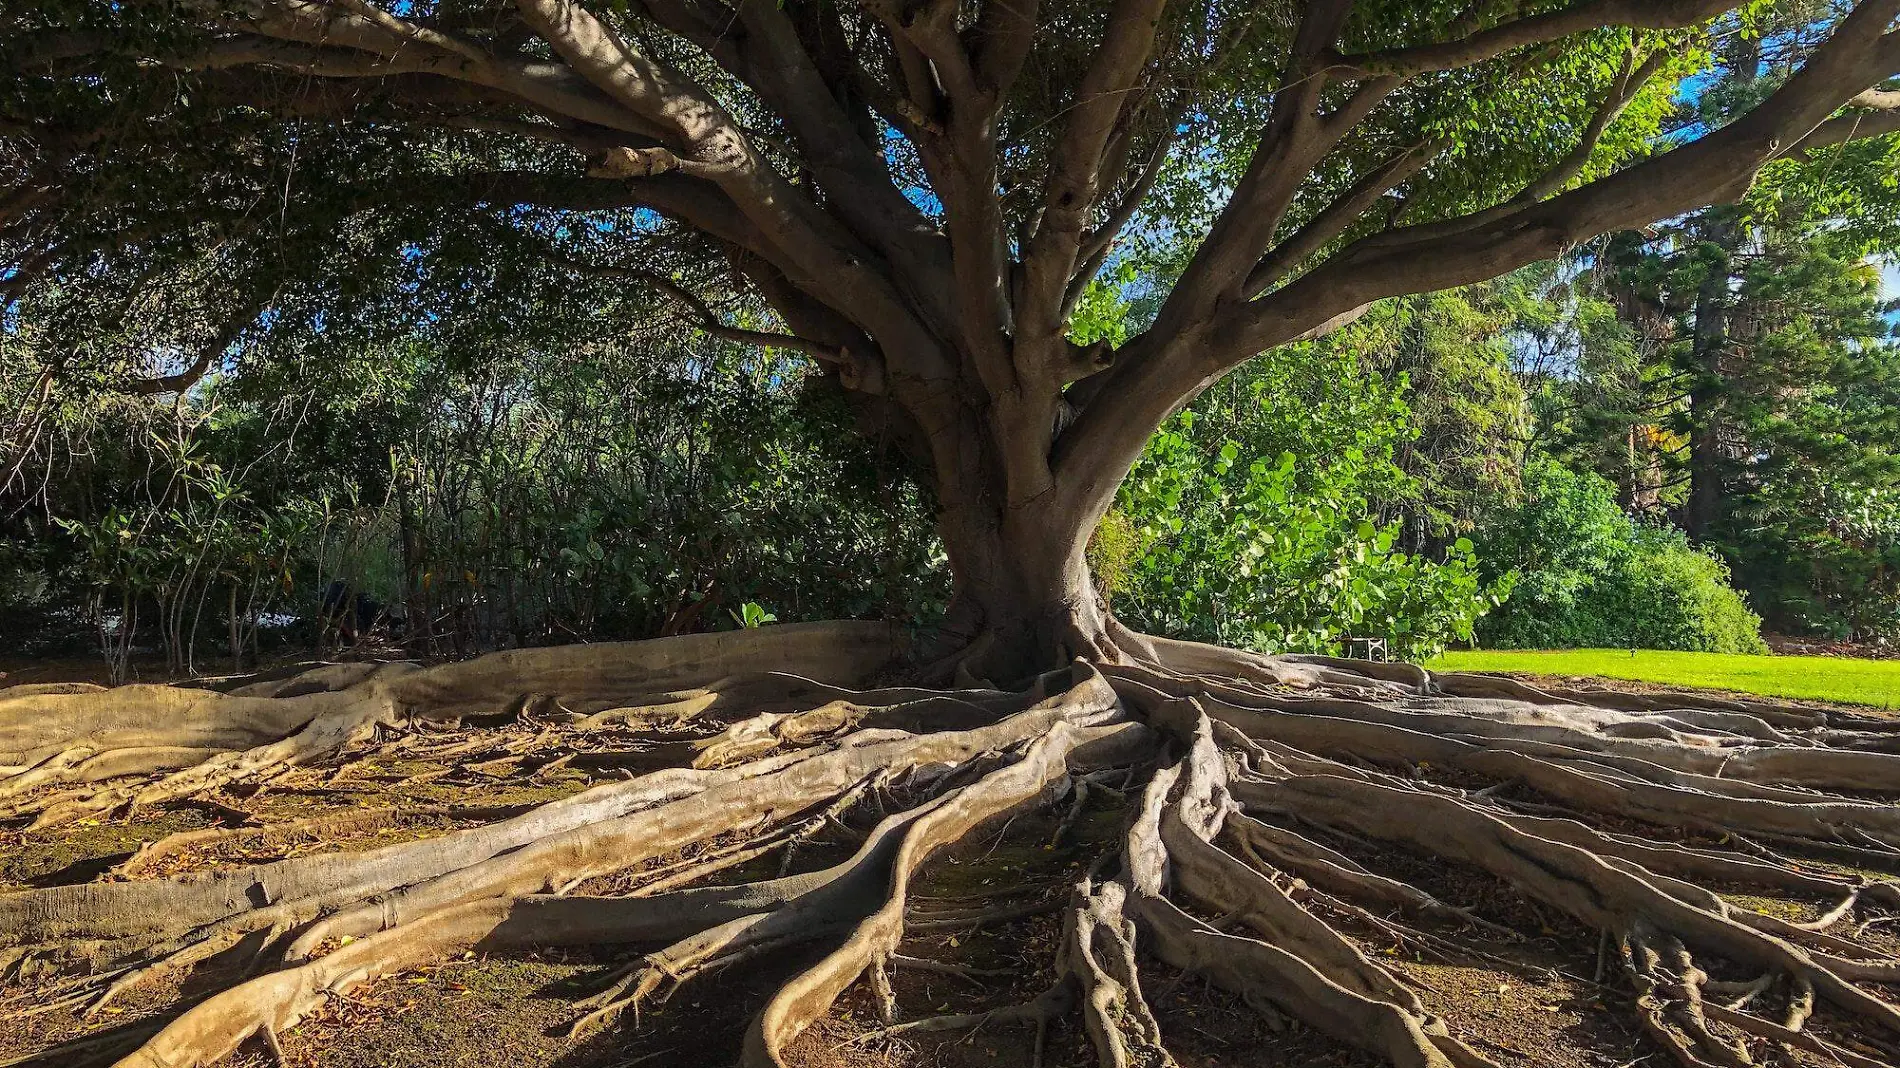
917 196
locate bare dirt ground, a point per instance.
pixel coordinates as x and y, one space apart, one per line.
981 935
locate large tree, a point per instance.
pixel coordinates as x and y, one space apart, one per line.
920 193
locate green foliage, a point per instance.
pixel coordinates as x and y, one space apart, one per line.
751 616
1453 352
1749 390
510 460
1237 538
1451 355
1590 576
1102 314
1823 558
1115 548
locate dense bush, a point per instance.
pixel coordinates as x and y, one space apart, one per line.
1590 576
589 492
1254 519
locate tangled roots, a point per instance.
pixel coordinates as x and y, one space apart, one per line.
1264 796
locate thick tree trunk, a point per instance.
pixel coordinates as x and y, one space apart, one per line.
1024 599
1715 302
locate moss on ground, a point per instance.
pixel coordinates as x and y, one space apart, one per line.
521 791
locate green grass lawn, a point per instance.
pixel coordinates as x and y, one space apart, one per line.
1819 678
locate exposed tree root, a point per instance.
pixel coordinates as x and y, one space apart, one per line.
1260 794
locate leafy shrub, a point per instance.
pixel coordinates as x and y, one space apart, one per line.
584 492
1238 543
1589 576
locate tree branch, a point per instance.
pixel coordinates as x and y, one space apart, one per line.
932 31
765 51
1536 29
688 119
1717 168
1162 370
549 87
1074 182
1877 114
805 241
200 366
1005 34
961 165
705 318
1334 221
1340 215
1295 140
417 33
1622 93
1099 242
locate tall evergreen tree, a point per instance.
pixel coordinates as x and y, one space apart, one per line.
1746 391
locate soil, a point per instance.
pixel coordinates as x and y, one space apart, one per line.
1534 1001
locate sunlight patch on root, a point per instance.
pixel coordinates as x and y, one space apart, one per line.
59 735
36 726
592 678
906 709
1738 753
1781 714
1597 781
1643 744
781 692
327 734
749 846
354 821
82 764
1189 661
